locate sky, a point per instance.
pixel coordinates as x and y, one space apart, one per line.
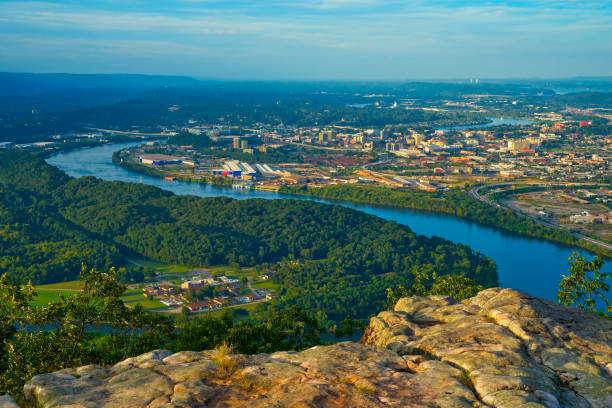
310 40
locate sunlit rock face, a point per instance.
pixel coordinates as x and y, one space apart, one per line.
501 348
513 349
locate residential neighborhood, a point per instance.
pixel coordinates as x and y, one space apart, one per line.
198 291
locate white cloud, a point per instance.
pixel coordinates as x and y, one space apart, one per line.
411 34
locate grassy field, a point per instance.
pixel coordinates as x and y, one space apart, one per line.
51 292
162 267
173 269
264 284
43 297
135 297
172 273
66 286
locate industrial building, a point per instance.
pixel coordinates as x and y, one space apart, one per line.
235 169
159 159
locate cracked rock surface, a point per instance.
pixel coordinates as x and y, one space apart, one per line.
514 350
501 348
342 375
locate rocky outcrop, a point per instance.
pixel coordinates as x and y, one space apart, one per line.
6 401
514 350
501 348
342 375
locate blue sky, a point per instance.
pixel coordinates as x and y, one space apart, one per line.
316 39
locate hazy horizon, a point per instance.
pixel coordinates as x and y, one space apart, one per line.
318 40
392 80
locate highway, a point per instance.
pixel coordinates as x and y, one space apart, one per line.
475 193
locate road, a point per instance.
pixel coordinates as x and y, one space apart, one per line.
335 149
135 263
120 132
475 193
376 163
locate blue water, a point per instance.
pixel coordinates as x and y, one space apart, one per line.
525 264
493 122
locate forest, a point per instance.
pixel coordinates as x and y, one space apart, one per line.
456 202
328 257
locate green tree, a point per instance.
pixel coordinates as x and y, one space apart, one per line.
62 335
14 301
456 286
585 283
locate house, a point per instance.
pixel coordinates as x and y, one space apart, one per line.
192 285
151 291
171 302
586 218
197 306
217 302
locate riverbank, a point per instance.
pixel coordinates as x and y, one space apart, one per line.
46 151
456 202
127 163
529 264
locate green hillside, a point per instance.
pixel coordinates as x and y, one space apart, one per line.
346 259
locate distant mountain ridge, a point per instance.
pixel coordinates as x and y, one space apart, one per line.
19 83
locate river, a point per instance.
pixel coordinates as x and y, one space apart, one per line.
525 264
494 121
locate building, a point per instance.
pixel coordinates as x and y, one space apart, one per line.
236 143
393 147
159 159
192 285
244 144
586 218
232 168
246 299
248 169
171 302
197 306
511 173
518 145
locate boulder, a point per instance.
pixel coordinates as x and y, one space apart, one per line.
512 348
501 348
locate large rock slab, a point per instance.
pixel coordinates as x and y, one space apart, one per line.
501 348
514 350
342 375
